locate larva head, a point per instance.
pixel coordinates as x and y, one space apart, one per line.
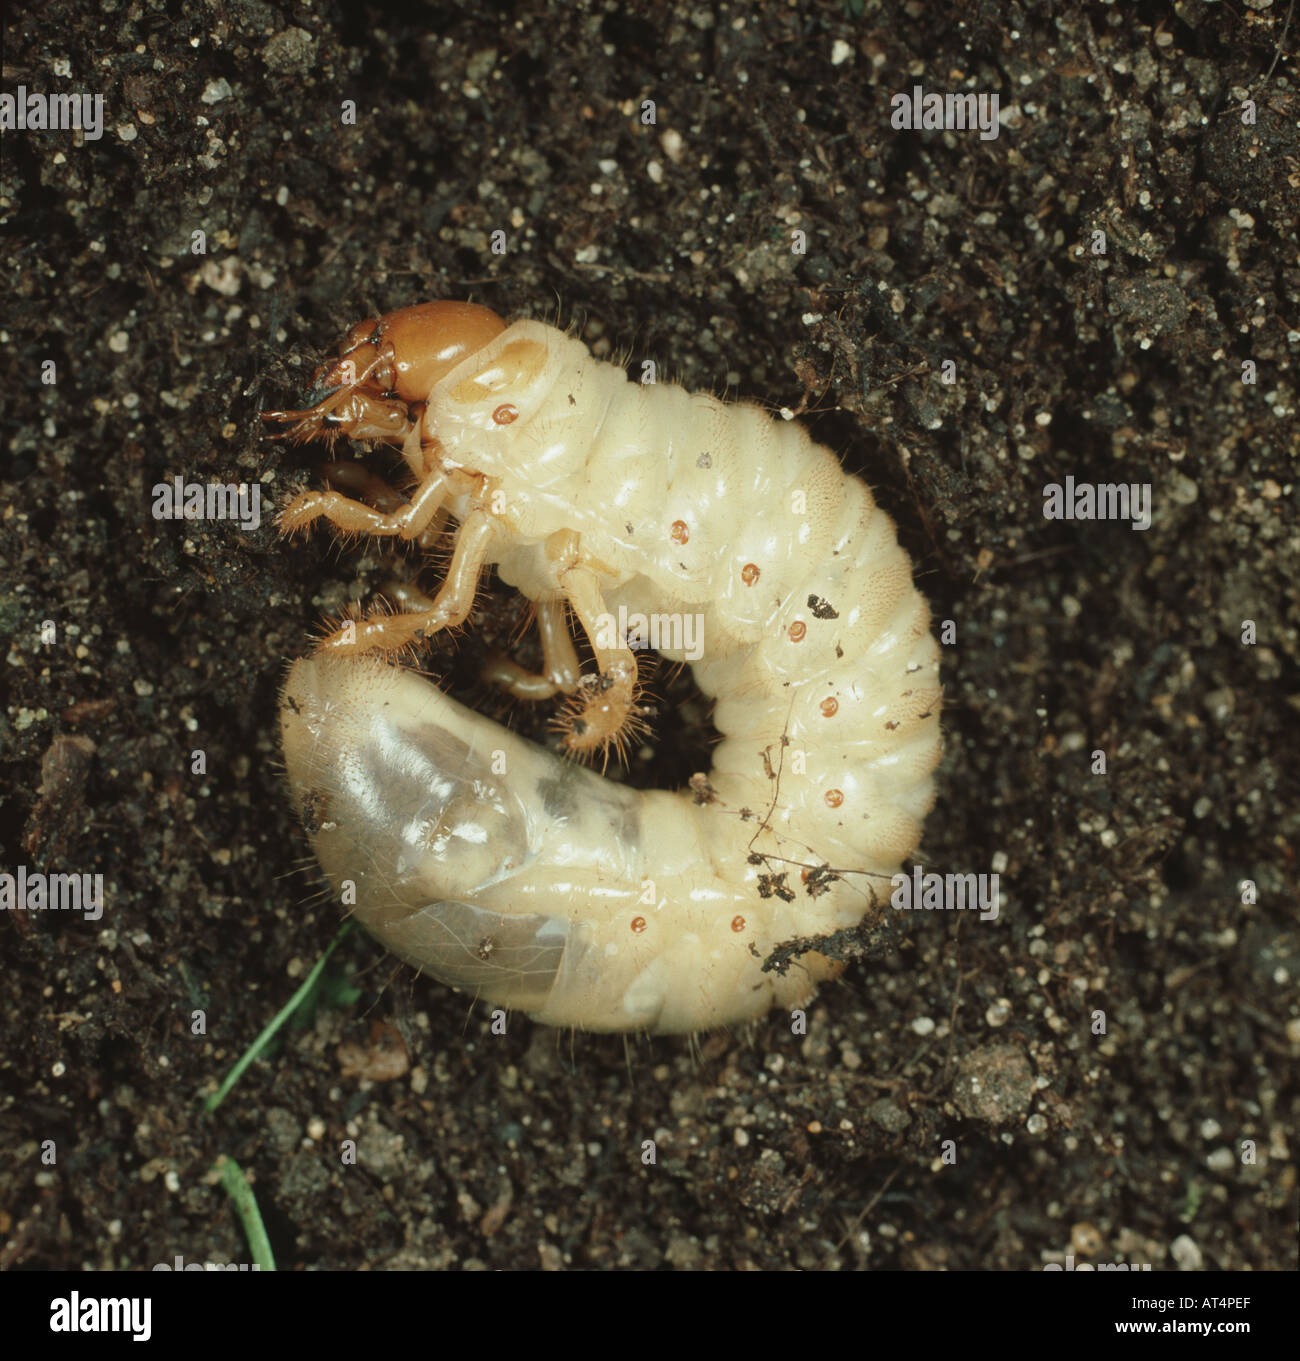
386 366
404 353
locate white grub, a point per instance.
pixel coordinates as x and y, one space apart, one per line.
510 872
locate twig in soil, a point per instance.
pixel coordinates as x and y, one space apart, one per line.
1277 53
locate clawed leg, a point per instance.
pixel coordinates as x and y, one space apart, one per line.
408 597
353 516
384 513
451 606
560 669
602 713
363 485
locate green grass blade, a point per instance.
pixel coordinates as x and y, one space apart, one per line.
260 1043
237 1187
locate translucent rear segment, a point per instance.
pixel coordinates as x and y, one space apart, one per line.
434 848
396 789
510 960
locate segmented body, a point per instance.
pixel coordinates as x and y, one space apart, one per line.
601 907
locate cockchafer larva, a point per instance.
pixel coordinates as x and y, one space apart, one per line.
510 872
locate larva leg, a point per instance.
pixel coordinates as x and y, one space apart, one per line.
408 597
346 475
560 669
451 606
350 515
601 713
422 453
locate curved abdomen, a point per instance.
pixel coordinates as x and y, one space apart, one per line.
519 877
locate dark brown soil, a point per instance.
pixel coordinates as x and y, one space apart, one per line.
1121 892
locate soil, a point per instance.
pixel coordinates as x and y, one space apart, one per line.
1106 290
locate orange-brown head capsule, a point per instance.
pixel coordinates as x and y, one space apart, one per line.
406 352
388 364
